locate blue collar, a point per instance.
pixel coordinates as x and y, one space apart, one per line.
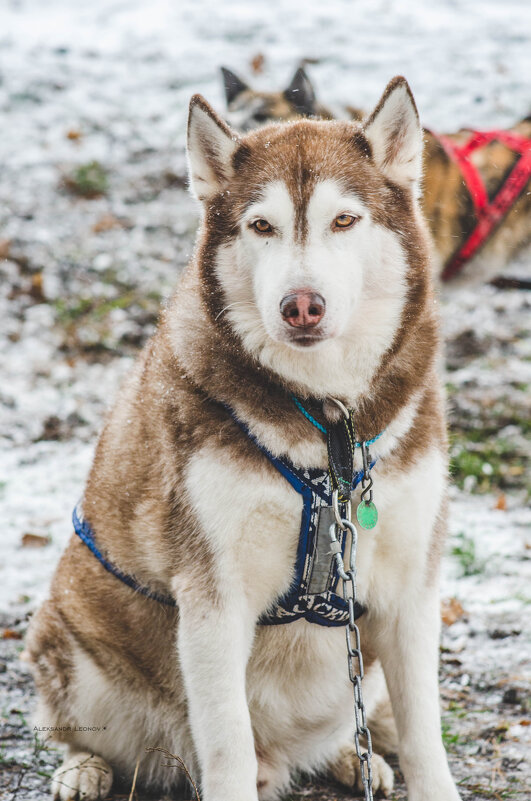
322 429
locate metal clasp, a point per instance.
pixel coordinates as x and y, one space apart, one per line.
342 520
342 407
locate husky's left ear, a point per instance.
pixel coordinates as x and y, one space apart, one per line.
211 145
394 132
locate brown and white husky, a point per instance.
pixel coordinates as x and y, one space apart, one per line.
446 199
311 281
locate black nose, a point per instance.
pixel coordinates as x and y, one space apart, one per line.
302 308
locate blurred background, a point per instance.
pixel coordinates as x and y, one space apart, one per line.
96 224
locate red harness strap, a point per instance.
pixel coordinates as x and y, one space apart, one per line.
488 214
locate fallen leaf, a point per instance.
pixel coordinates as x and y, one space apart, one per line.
5 245
451 660
501 503
451 611
257 63
34 541
37 290
74 134
498 731
11 634
106 223
525 722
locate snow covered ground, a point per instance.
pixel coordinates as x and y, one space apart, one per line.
81 280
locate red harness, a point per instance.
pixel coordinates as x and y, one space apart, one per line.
488 214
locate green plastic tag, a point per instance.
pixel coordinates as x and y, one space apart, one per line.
367 514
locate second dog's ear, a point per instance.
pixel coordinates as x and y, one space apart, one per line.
300 93
211 145
394 132
233 85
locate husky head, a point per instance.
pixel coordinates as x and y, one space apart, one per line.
248 109
312 250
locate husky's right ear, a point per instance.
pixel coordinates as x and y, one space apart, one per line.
211 145
233 85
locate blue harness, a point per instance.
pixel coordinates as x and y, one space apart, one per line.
312 595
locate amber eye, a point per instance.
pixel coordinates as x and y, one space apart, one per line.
262 227
343 221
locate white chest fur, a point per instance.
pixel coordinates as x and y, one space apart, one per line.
251 520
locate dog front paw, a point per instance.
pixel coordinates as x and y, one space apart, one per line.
346 770
83 776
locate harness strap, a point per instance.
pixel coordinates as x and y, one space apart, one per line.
488 214
297 478
284 467
313 484
86 535
314 487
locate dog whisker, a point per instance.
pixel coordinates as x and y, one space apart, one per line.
232 305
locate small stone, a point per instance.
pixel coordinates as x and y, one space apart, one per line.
510 696
502 634
30 540
102 262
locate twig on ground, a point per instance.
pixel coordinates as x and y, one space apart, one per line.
134 780
181 765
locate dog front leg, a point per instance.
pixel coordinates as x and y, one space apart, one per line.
408 647
214 642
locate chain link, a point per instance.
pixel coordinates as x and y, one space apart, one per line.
354 655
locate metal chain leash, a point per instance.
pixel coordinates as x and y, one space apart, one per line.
344 522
